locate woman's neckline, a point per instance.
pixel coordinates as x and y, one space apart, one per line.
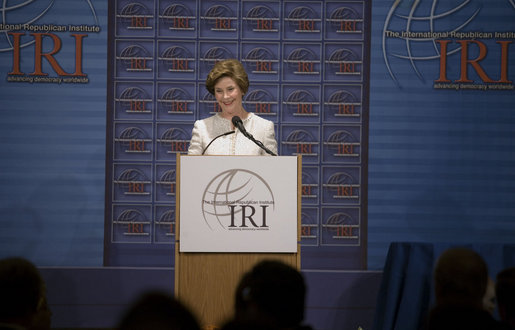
249 115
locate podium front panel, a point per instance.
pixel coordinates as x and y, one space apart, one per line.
238 204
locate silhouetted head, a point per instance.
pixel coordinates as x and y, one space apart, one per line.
271 292
22 291
461 277
505 292
158 311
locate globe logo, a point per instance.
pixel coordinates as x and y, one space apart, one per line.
39 13
232 192
436 21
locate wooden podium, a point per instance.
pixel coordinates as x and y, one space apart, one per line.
206 276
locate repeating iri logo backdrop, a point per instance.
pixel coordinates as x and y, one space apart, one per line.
307 66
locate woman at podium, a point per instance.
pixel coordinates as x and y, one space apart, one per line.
233 130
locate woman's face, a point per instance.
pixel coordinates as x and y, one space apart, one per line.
229 96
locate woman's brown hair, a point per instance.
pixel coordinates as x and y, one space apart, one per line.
228 68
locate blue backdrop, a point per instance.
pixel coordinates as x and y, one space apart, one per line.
441 154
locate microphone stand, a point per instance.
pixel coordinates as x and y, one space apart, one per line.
259 143
226 133
237 122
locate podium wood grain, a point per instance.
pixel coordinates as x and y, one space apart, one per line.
207 282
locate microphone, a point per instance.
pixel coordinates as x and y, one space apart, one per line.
237 122
226 133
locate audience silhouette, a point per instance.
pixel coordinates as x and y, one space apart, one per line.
23 303
505 292
461 279
270 296
158 311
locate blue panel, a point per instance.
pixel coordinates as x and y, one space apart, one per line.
53 131
441 152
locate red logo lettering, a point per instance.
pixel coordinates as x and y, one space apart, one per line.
306 190
137 105
347 67
180 65
49 57
263 24
304 108
262 66
306 67
181 22
465 62
135 228
136 145
138 64
304 148
223 24
179 107
136 187
263 108
345 149
345 109
178 146
345 191
138 22
349 26
344 231
306 25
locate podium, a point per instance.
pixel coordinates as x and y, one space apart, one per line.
231 213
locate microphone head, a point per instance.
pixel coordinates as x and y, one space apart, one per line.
236 121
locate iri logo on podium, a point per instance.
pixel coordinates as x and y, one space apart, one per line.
178 17
136 16
175 139
237 199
